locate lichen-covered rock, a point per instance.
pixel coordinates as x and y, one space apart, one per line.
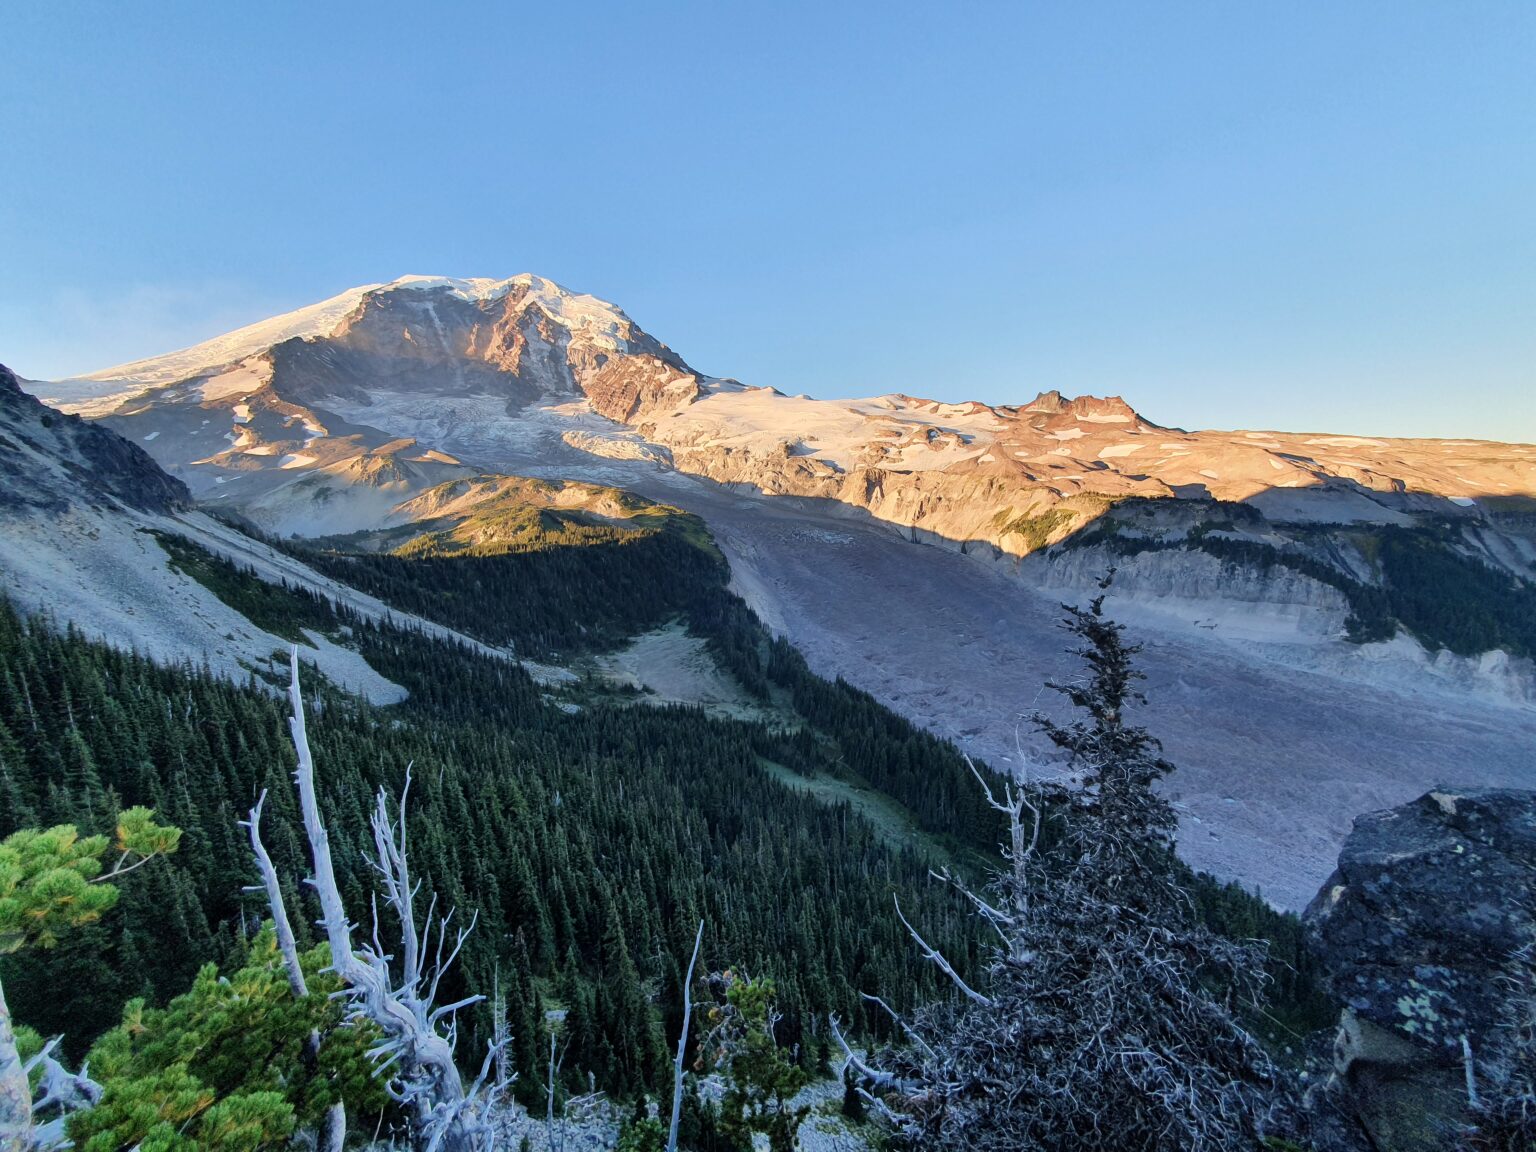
1416 931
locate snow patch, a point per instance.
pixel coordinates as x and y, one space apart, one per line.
248 376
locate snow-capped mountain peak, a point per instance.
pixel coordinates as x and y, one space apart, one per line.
475 368
593 321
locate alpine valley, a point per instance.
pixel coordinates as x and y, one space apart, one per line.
654 665
1333 622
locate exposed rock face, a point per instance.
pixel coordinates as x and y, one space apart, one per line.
280 418
255 418
516 340
50 461
1418 931
631 387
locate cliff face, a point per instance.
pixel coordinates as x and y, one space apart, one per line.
1425 933
1016 479
628 388
50 461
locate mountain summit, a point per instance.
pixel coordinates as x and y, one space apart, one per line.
522 337
322 418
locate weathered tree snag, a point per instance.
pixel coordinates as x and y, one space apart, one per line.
15 1090
424 1079
682 1044
335 1135
62 1089
274 892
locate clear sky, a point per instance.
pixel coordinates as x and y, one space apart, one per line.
1299 216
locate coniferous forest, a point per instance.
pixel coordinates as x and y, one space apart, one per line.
589 838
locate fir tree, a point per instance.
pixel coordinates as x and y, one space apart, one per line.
1099 1021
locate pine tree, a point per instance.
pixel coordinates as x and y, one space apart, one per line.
226 1065
762 1078
50 881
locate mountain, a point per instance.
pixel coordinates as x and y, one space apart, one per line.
1334 622
297 415
50 461
577 828
387 386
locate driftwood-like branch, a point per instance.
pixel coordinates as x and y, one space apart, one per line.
933 954
57 1088
682 1044
274 890
423 1075
334 1136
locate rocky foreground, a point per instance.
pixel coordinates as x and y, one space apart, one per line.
1427 931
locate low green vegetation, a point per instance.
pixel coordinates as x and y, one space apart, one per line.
550 602
1035 530
226 1064
278 608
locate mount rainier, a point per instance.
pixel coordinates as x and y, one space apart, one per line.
1257 566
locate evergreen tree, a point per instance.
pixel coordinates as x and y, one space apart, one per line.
227 1065
761 1077
52 880
1104 1019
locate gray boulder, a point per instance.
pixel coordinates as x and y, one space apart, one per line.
1420 931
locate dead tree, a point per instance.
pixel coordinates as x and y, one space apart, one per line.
334 1138
682 1044
1096 1024
418 1036
57 1089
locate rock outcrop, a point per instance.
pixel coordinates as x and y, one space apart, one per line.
49 461
1424 933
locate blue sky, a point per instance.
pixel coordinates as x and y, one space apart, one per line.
1298 216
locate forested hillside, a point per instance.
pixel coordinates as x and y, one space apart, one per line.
588 834
589 843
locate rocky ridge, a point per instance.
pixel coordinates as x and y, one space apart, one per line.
50 461
467 367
